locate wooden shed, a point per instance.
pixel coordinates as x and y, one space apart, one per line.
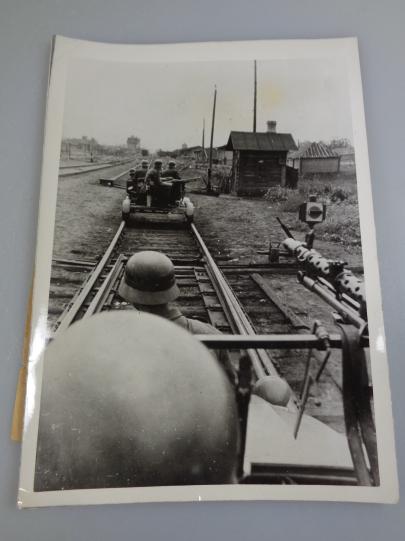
315 158
259 161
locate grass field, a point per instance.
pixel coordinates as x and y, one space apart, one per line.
243 226
87 214
342 219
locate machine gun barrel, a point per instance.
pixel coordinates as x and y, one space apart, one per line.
285 228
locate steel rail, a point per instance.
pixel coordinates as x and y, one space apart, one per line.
260 359
102 294
89 284
85 169
89 164
229 311
72 262
84 165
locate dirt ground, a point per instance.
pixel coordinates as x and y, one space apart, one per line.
241 227
72 163
87 214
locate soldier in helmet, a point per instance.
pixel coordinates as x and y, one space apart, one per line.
140 174
153 176
149 284
171 171
132 186
177 187
139 178
121 410
155 187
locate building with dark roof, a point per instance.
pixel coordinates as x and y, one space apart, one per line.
259 160
314 158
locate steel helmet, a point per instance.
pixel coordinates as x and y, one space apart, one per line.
158 162
131 171
172 163
144 162
131 399
149 279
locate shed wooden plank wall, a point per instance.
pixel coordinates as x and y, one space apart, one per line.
320 165
235 173
255 171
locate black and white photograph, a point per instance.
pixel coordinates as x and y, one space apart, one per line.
206 318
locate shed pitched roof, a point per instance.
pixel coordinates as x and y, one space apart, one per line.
241 140
314 150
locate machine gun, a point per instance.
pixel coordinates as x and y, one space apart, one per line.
344 292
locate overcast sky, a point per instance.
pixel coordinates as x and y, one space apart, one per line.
164 104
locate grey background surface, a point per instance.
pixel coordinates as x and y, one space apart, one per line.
26 28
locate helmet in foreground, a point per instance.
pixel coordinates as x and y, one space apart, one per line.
131 399
149 279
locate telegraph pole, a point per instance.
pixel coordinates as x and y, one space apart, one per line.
203 139
209 185
255 97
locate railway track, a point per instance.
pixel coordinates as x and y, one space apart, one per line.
71 170
232 298
205 294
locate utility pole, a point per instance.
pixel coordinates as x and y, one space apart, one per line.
255 97
203 139
209 185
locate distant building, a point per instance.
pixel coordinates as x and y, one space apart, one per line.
220 155
315 158
133 143
202 155
259 160
190 152
74 147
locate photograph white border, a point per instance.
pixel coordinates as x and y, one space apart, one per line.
65 51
